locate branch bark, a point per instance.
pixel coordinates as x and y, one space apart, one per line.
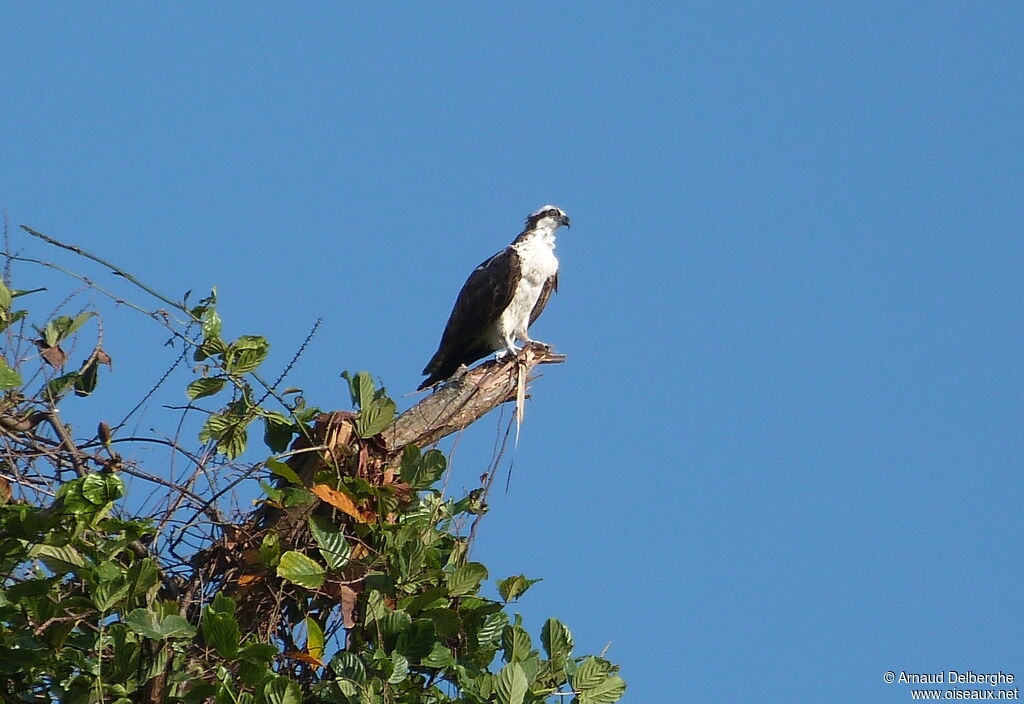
463 401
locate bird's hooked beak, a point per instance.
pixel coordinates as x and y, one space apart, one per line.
564 220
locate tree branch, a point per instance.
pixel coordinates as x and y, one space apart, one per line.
463 401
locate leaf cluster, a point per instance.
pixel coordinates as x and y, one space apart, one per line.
349 583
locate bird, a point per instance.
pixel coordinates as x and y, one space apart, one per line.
501 298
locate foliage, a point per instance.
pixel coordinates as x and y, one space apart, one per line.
349 582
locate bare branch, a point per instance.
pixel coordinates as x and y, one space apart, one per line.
461 402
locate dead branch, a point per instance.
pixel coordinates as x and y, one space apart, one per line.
463 401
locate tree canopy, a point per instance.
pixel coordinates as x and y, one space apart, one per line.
350 580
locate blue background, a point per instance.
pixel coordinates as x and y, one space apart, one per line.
785 454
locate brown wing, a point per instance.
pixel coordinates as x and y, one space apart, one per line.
485 295
550 286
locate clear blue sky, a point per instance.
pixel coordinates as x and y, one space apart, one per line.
785 454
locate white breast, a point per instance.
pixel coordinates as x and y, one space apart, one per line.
538 265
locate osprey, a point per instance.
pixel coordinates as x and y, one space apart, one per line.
501 298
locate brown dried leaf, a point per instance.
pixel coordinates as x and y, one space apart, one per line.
247 579
54 356
304 657
403 492
349 597
341 502
232 536
520 398
364 454
104 358
341 430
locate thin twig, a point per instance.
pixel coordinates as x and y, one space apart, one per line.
210 511
294 359
492 471
153 390
69 444
115 269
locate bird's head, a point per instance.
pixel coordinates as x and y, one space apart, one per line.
549 217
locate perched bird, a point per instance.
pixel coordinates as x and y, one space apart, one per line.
501 298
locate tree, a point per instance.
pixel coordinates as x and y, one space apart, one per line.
349 582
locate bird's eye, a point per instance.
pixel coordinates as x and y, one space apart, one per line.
552 213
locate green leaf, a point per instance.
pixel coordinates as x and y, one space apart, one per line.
220 630
426 471
400 668
446 621
556 639
433 598
510 685
392 623
304 571
375 417
107 571
91 495
211 324
590 673
9 318
297 496
223 604
59 560
282 690
30 588
411 556
208 386
514 587
229 432
314 639
466 579
410 458
9 378
5 296
174 626
417 640
348 665
18 293
360 387
284 471
439 656
62 327
143 575
258 652
87 379
146 624
277 432
60 385
210 347
108 593
270 549
492 629
516 643
102 489
332 544
609 691
245 354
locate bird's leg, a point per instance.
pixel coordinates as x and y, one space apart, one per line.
509 348
527 341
